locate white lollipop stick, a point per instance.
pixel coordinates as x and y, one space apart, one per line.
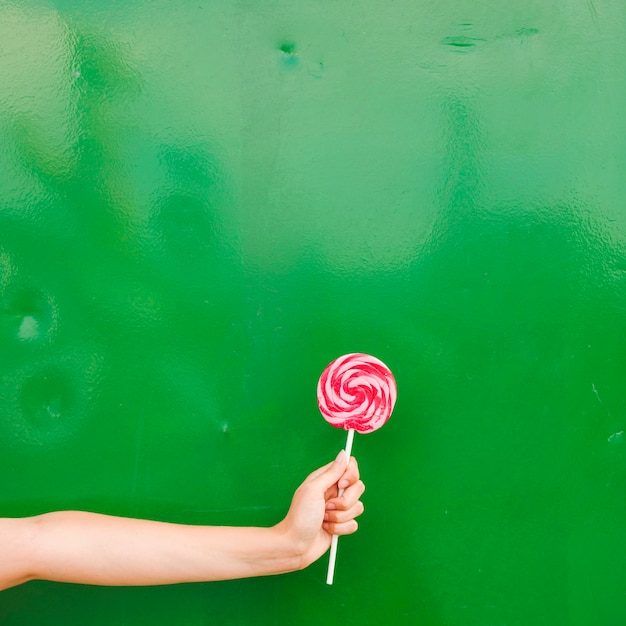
335 539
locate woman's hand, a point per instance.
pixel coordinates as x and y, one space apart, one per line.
318 511
95 549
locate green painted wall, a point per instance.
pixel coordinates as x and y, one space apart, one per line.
202 204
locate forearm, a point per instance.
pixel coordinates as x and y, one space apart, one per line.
102 550
15 550
88 548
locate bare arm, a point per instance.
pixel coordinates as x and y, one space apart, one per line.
72 546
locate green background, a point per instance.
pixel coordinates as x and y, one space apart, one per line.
202 204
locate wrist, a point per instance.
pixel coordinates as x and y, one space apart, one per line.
287 545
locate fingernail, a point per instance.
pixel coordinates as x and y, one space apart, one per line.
330 507
343 484
341 455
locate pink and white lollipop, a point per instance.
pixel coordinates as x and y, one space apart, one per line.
355 392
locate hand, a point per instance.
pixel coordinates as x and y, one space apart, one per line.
318 511
95 549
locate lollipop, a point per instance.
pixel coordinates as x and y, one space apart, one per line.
355 392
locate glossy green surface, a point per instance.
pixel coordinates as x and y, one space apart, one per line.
202 204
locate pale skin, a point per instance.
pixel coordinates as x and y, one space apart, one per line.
89 548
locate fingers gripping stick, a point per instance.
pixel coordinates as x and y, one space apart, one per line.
335 539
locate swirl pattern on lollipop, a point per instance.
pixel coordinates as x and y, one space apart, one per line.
356 391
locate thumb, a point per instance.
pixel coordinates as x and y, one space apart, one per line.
333 473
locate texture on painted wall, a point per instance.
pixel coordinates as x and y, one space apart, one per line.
202 204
